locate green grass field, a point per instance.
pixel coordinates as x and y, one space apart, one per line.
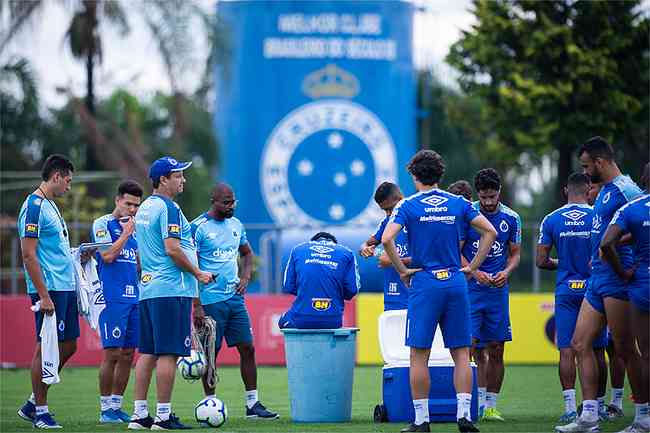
531 401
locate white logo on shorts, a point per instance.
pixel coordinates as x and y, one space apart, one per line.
188 341
117 333
61 326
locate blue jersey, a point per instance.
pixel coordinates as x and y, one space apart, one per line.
40 218
217 245
634 218
321 274
569 230
611 197
119 278
508 226
395 292
434 221
159 218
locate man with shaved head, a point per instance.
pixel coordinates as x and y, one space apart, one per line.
220 240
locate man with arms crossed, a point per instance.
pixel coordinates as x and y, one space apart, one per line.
50 277
168 260
118 322
437 287
220 240
606 299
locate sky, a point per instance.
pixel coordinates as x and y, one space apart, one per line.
133 62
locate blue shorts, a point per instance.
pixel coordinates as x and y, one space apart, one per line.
567 308
165 326
639 291
119 325
67 315
303 321
490 314
438 297
604 286
233 323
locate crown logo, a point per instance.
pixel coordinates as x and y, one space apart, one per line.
330 81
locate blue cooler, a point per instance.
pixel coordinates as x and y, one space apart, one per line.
396 389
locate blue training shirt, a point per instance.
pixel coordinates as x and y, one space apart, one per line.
634 218
159 218
569 230
119 278
40 218
217 245
321 274
508 226
434 221
611 197
396 296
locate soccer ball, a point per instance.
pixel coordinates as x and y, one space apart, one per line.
211 412
192 367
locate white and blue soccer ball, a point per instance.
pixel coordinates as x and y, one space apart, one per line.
192 367
211 412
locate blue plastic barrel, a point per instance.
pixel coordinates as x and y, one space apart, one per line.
320 363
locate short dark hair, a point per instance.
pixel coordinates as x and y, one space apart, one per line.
56 163
578 183
324 235
156 182
597 147
385 191
461 187
427 166
487 178
130 187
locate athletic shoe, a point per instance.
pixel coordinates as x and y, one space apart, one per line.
413 427
578 426
109 416
603 415
140 423
492 414
465 425
28 411
258 411
122 415
614 411
173 423
568 418
45 421
635 428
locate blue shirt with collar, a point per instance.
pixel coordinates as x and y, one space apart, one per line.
396 294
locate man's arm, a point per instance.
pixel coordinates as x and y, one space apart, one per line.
28 246
384 261
608 245
114 250
514 257
367 248
176 253
388 241
543 259
488 235
289 284
248 259
352 281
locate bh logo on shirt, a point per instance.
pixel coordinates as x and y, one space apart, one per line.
321 304
577 284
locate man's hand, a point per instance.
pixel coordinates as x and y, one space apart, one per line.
198 316
243 284
628 275
128 226
481 277
367 250
406 276
204 277
47 306
500 279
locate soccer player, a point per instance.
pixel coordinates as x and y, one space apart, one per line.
220 240
50 277
167 286
568 229
463 188
634 218
118 322
322 275
488 287
606 299
437 287
387 196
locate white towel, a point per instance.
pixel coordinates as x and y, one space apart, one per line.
90 297
49 348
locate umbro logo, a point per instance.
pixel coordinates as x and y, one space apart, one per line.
574 214
46 373
322 249
434 200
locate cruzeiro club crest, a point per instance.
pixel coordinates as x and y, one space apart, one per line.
322 163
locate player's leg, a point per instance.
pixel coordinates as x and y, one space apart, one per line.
110 333
143 368
566 316
640 327
496 331
616 379
122 369
478 347
599 353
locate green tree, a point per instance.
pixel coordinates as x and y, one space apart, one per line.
554 73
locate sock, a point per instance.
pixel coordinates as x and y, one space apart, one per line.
116 402
163 410
641 412
601 404
251 398
421 410
40 410
463 404
617 398
589 410
569 400
141 410
32 399
104 402
211 396
491 399
481 397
